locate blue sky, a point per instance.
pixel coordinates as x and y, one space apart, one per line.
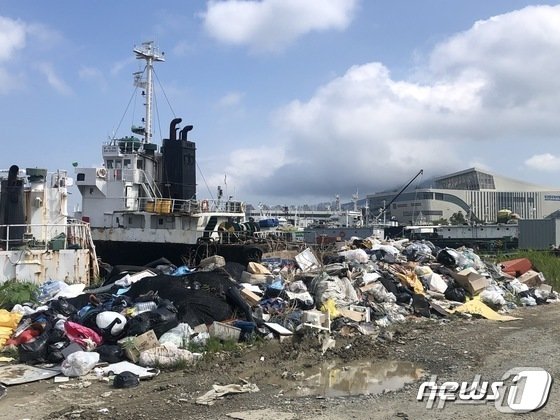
292 101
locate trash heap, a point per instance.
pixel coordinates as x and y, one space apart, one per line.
159 315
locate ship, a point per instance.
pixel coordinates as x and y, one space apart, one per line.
142 203
38 240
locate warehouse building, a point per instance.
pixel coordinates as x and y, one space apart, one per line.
478 194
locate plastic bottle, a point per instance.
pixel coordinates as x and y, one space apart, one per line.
140 307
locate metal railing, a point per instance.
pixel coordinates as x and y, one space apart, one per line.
169 205
54 236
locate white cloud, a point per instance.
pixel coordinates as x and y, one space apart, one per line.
231 99
53 79
12 37
493 83
93 74
271 25
546 162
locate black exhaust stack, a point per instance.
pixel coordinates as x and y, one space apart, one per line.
179 164
12 208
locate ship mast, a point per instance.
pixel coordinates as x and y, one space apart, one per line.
150 54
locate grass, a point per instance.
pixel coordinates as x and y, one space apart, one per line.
544 261
213 345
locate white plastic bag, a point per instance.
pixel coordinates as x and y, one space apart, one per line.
79 363
165 355
179 336
492 297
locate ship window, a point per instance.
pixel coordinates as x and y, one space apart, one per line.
139 164
118 164
127 163
91 190
81 177
110 164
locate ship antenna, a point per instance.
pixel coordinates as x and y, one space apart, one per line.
150 54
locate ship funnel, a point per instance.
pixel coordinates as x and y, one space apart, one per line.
183 133
173 128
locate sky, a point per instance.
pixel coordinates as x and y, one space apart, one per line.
292 101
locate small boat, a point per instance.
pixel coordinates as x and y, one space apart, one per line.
38 241
142 203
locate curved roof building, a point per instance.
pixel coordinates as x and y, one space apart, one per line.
478 194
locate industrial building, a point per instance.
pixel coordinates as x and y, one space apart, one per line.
478 194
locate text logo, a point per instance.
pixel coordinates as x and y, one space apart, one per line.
520 390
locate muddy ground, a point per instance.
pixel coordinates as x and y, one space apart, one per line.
455 350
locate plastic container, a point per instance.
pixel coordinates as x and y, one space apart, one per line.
144 307
224 331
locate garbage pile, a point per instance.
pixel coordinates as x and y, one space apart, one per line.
160 315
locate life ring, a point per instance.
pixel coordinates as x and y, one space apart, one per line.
342 234
204 205
101 172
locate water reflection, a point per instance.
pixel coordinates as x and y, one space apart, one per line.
335 380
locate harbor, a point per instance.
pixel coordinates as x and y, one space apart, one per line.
293 210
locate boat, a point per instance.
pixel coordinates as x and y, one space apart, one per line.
38 241
142 202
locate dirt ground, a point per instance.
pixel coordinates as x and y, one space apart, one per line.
455 350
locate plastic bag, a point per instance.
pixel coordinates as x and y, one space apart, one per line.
457 294
126 379
35 350
79 363
179 336
49 289
110 353
380 293
493 296
84 336
165 355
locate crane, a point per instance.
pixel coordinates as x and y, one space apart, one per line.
384 209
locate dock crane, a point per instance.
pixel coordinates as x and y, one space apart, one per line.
384 209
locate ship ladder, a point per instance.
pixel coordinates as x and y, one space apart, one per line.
93 255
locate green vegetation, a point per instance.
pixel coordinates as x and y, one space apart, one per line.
13 292
213 345
544 261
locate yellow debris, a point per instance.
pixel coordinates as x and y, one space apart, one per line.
477 307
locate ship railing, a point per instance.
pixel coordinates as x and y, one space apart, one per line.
47 236
169 205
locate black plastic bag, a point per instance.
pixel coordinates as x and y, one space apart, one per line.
457 294
126 379
421 305
162 320
110 353
34 351
139 324
448 257
62 306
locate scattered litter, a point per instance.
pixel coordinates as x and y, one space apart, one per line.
264 414
218 391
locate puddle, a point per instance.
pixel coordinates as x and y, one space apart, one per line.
357 378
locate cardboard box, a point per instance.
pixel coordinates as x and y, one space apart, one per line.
250 297
132 346
356 313
471 281
217 260
532 278
252 278
545 288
